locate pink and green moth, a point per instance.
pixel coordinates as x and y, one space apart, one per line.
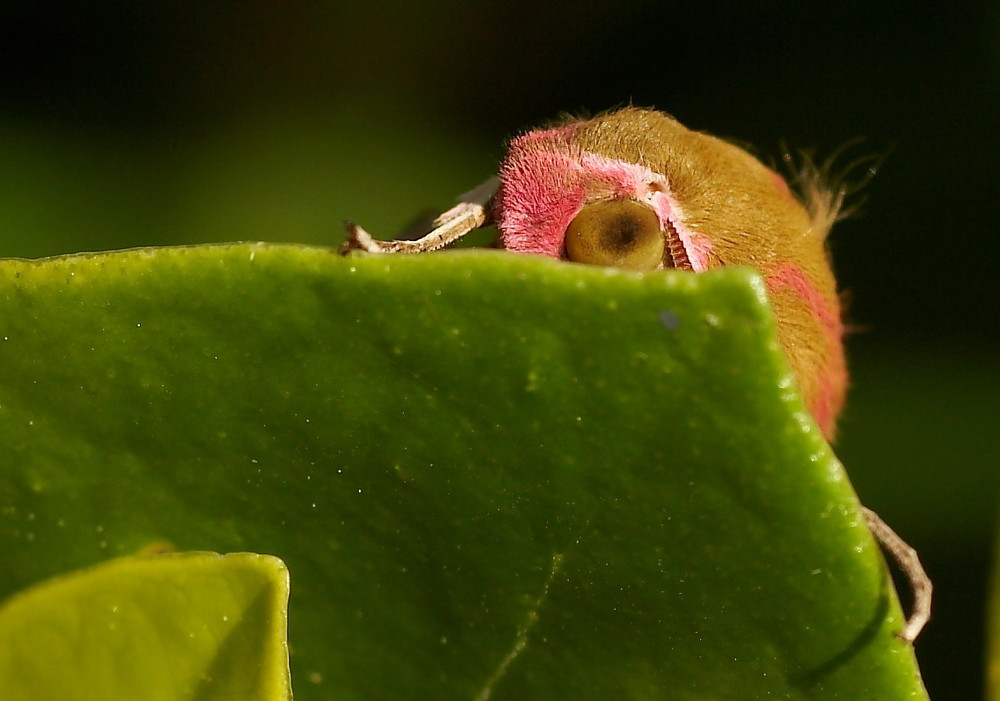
635 189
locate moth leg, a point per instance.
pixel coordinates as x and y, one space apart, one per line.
908 561
473 211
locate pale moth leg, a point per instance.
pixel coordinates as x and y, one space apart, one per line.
474 209
906 557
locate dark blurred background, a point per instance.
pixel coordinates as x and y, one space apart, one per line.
128 123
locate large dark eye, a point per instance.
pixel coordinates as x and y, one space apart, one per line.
620 233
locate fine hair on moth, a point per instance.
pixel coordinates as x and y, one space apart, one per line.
633 188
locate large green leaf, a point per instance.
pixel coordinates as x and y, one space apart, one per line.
187 626
490 475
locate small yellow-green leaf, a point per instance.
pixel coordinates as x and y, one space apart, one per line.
158 628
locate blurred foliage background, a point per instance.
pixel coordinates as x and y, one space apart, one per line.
126 124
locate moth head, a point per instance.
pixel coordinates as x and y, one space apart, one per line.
561 200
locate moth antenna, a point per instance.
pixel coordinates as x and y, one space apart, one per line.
823 200
474 210
908 561
826 187
869 166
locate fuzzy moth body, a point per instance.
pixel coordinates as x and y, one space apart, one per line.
712 204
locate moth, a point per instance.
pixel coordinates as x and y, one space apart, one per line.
635 189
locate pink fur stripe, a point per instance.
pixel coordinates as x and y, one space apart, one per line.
546 182
832 378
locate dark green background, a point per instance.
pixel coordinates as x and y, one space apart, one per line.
151 123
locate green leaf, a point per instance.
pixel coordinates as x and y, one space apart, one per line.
186 626
490 475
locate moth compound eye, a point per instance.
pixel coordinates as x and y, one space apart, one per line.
619 233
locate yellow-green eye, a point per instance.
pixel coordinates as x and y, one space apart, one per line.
620 233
